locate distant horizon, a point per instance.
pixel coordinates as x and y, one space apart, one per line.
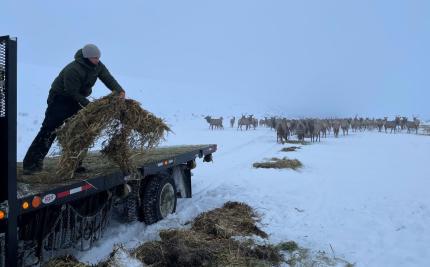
329 58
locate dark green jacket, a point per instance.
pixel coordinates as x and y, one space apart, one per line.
76 80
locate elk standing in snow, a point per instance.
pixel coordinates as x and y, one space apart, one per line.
392 125
413 125
232 120
214 123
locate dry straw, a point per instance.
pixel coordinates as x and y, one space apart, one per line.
122 124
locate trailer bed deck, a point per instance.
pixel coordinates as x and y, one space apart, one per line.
98 166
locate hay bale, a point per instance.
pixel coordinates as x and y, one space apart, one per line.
123 125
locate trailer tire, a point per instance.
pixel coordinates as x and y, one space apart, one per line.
159 199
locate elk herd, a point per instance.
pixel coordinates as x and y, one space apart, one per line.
315 128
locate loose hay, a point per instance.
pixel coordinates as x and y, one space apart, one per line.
288 246
201 246
209 242
65 261
290 149
296 142
276 163
119 257
123 125
232 219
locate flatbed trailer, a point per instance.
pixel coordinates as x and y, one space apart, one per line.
57 214
44 215
102 175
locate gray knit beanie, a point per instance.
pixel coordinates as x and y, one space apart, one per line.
91 50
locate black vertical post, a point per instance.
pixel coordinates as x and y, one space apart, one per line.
8 118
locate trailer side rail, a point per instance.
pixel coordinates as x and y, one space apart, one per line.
90 186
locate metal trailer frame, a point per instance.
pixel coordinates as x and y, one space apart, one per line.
94 185
8 119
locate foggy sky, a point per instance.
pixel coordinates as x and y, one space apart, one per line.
328 58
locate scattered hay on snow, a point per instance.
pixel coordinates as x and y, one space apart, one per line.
290 149
288 246
231 243
120 257
276 163
123 125
210 242
232 219
296 142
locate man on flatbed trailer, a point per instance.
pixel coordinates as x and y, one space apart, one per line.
67 96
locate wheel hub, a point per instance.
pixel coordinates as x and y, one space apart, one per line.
167 200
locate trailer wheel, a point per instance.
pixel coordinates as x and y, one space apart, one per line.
159 199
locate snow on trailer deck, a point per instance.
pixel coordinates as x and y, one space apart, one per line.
98 166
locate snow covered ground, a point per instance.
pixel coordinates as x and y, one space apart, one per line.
365 195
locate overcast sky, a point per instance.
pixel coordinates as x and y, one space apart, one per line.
331 57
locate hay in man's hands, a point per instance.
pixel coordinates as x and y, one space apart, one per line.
122 123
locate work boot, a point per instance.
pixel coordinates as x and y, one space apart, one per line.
80 169
32 168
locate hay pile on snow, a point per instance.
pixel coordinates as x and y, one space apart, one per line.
277 163
122 124
217 238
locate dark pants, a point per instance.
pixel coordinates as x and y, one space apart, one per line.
59 109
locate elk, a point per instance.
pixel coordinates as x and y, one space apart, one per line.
413 125
336 128
243 121
344 124
392 125
324 128
315 130
214 123
232 120
282 131
300 130
247 122
403 123
380 123
253 122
